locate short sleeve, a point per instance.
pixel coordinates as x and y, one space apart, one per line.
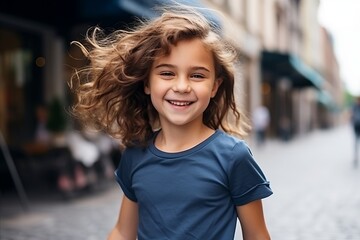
123 176
246 180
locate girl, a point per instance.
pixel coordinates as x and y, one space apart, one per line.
166 89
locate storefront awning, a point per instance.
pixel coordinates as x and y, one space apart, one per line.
325 99
139 8
106 13
115 8
280 65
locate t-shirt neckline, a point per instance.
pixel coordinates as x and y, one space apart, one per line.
195 148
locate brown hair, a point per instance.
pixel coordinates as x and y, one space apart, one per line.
110 90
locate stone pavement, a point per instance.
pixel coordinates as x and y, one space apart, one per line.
316 197
89 216
316 187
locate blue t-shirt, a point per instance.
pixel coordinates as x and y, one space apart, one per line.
191 194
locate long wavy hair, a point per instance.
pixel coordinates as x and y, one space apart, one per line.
109 90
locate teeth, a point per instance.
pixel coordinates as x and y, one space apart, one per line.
180 103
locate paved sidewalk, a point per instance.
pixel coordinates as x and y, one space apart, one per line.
316 187
89 216
316 197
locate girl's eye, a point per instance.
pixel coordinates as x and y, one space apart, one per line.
167 74
197 75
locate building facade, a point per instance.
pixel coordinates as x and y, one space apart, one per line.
283 66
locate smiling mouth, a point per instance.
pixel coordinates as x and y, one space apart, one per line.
179 103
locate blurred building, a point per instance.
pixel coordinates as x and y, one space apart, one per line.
334 87
34 55
287 59
288 62
35 65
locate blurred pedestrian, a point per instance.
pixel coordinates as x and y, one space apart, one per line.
40 142
355 120
42 133
166 89
261 121
285 128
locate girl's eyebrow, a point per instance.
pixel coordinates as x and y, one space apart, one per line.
172 66
164 65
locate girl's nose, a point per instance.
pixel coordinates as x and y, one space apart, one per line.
182 84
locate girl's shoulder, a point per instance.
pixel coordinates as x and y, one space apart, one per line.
230 146
231 151
227 140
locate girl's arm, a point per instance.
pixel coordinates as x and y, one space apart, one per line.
252 221
127 222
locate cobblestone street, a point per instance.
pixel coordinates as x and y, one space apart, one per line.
316 188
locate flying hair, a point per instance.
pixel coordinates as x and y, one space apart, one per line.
109 90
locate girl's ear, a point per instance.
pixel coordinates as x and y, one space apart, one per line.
216 86
147 89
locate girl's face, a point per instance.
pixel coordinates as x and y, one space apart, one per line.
182 83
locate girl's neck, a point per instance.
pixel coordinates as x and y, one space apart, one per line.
180 139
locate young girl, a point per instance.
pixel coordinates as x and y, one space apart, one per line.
166 90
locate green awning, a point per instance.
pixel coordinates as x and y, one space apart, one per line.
309 73
278 65
325 99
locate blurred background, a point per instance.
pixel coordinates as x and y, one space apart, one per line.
294 81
